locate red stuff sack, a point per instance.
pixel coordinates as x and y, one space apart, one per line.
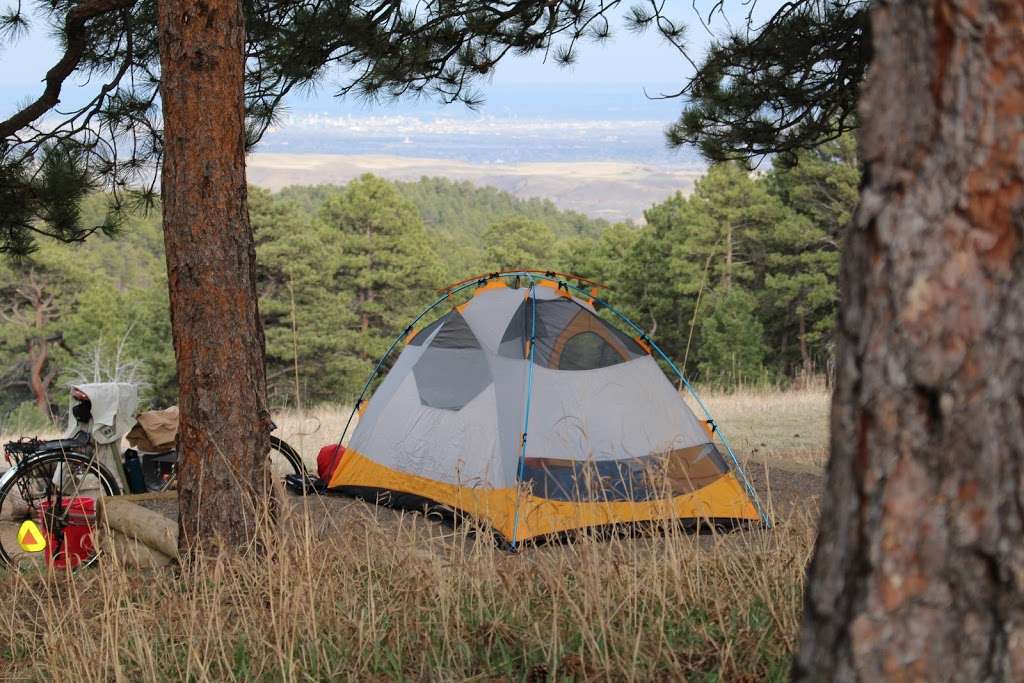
325 458
75 545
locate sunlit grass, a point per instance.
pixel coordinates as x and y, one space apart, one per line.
780 427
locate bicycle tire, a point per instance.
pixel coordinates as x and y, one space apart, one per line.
290 454
21 476
292 459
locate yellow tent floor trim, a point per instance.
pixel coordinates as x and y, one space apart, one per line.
722 499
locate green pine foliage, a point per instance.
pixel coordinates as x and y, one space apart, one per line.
822 184
385 261
307 318
457 214
98 309
518 244
733 349
779 86
461 208
775 236
692 247
737 282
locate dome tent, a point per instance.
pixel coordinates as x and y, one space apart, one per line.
525 409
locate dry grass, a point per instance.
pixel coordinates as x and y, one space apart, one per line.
361 593
309 430
375 602
780 427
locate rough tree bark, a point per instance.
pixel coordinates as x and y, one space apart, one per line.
919 564
223 439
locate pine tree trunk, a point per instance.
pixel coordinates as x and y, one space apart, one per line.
728 256
218 338
805 356
38 352
918 569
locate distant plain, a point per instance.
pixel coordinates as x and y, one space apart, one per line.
613 190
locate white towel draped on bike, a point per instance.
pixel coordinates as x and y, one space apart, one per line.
113 410
113 415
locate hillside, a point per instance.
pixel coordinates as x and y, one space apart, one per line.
611 190
463 209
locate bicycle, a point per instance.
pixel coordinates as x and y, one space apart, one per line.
51 482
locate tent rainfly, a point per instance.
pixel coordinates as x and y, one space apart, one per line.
528 411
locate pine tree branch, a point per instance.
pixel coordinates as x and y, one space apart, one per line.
75 39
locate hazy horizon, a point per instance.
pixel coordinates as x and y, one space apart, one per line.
614 87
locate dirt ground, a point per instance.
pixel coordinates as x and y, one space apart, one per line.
786 489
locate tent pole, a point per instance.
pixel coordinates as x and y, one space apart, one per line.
526 411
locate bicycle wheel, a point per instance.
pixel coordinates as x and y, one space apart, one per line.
42 488
284 460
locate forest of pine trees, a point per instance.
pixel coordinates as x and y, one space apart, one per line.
737 281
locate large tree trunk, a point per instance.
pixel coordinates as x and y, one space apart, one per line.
218 339
919 564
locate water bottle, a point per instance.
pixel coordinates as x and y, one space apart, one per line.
133 471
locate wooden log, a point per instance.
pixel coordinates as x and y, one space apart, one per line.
132 552
136 522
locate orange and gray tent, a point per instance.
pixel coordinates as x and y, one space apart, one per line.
527 410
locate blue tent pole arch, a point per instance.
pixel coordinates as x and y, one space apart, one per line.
563 280
526 411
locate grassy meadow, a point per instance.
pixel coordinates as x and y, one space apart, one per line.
348 591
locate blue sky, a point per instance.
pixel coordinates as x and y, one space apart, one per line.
608 82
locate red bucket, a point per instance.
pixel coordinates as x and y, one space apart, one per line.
76 544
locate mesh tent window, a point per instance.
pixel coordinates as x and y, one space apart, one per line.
586 351
568 337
